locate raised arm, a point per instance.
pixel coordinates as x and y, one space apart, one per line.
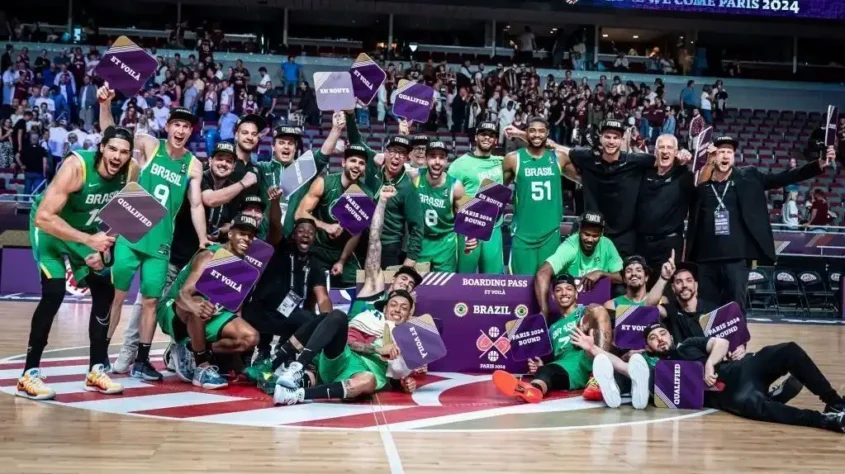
224 195
542 282
414 221
145 144
338 124
195 200
566 167
809 170
373 277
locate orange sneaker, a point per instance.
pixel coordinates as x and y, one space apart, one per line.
30 386
592 391
98 380
509 385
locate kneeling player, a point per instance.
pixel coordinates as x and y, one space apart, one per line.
183 314
571 366
347 368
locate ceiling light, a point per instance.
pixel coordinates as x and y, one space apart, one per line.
605 35
636 36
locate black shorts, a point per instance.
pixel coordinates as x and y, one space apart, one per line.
554 376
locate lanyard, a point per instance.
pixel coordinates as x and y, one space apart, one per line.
722 197
307 270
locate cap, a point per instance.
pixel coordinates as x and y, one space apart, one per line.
244 222
635 259
223 147
417 140
118 132
686 267
287 131
592 218
719 141
486 127
565 278
410 271
181 113
612 124
399 140
436 145
355 150
253 200
652 327
381 304
258 120
304 220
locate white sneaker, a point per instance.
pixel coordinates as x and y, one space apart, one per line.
639 372
124 360
285 396
603 373
291 376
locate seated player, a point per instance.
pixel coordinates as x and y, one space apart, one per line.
746 381
183 313
351 362
571 366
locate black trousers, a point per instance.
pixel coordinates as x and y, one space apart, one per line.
724 281
271 323
392 254
747 385
625 242
656 249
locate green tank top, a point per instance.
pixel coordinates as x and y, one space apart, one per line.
438 213
82 209
559 332
538 197
623 300
167 180
178 282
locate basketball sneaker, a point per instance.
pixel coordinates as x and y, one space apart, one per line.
262 364
183 362
835 407
290 376
145 371
167 357
31 386
835 422
208 378
603 373
510 386
592 391
640 373
124 360
98 380
287 396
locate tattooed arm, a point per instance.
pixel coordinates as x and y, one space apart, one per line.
373 277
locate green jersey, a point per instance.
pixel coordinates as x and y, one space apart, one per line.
438 212
623 300
332 190
82 209
569 258
271 175
179 281
538 197
367 303
560 333
167 180
471 170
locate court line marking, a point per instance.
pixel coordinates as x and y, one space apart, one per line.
394 461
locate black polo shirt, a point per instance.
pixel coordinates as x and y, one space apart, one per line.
288 271
664 201
241 170
695 349
612 188
682 324
709 246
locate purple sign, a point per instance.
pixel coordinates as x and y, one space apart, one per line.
830 130
126 66
259 255
728 323
495 193
475 310
419 342
631 321
821 9
132 213
529 337
354 211
227 280
476 219
297 174
679 384
413 101
334 90
702 143
367 78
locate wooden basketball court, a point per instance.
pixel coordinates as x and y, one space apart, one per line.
455 422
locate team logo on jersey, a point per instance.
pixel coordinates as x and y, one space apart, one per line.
521 311
461 310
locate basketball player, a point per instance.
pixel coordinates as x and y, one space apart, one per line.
347 368
169 172
538 198
63 224
635 276
471 169
335 248
373 291
183 313
439 195
571 366
746 381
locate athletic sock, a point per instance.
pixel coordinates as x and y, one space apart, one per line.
143 352
332 390
305 357
201 357
285 354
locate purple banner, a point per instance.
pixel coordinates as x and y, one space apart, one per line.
529 337
820 9
334 90
679 384
354 211
298 174
419 342
227 280
728 323
132 213
830 130
631 321
367 78
475 310
126 67
702 142
413 101
476 219
495 193
259 255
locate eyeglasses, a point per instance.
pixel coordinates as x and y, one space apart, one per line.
395 152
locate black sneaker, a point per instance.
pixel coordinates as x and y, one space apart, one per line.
786 391
835 422
838 407
145 371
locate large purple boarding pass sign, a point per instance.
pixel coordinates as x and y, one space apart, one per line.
679 384
126 67
475 310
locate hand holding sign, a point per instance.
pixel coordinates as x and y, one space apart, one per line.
297 174
100 241
132 213
830 126
126 66
728 323
418 341
529 337
354 210
105 94
227 280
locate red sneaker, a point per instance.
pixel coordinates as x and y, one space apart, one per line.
592 391
511 386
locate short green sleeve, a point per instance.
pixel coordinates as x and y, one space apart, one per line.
611 259
563 257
